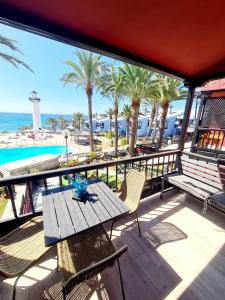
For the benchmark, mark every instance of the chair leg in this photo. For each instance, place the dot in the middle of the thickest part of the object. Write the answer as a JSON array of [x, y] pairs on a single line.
[[57, 268], [64, 293], [111, 229], [139, 229], [121, 280], [14, 287]]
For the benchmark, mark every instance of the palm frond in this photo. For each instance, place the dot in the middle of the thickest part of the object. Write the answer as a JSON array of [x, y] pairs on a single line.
[[9, 43], [16, 62], [85, 71]]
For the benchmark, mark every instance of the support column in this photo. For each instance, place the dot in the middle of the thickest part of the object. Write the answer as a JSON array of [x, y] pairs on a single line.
[[187, 113]]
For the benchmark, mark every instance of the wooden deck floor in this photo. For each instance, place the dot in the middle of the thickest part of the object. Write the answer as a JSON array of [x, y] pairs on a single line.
[[189, 268]]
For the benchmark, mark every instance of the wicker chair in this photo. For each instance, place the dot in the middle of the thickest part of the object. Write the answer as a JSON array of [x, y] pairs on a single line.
[[83, 256], [21, 248], [130, 193]]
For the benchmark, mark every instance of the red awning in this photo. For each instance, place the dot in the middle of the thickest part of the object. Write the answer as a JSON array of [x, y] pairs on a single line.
[[214, 85], [185, 38]]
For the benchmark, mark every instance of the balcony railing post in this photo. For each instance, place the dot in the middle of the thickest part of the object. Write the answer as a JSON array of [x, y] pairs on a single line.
[[11, 194], [125, 170], [107, 175], [162, 173], [29, 185], [168, 164], [146, 169], [152, 166], [157, 171], [45, 184]]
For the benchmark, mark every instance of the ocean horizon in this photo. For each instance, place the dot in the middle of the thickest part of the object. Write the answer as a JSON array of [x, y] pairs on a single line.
[[12, 122]]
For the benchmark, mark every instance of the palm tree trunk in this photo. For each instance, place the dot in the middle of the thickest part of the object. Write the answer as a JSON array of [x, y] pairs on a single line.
[[89, 95], [116, 128], [127, 130], [134, 119], [155, 126], [165, 107], [151, 118], [110, 123]]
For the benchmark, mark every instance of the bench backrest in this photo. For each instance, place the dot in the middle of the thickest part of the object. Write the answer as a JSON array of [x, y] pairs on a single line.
[[206, 172]]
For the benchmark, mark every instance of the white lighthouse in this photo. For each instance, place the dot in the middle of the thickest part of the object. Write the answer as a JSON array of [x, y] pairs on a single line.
[[36, 111]]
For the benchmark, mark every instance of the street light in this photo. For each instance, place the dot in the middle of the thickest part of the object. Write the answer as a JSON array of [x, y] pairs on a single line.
[[66, 134], [177, 124]]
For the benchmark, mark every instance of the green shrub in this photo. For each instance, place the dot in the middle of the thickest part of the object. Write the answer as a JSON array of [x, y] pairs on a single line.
[[123, 141], [71, 163], [2, 190], [109, 134], [93, 155]]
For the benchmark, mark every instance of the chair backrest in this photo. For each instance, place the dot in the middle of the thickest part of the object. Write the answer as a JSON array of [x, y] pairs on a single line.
[[93, 270], [203, 171], [131, 189]]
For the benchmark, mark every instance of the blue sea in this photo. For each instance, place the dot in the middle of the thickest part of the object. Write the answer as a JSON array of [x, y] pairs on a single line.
[[12, 122]]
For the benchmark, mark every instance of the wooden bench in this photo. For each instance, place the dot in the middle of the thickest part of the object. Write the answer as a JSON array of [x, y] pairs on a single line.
[[200, 176]]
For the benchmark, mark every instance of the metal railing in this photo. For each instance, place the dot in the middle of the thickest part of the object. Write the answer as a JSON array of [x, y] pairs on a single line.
[[111, 172]]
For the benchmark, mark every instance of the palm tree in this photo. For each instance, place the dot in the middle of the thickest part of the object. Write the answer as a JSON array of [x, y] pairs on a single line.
[[53, 123], [169, 89], [127, 116], [136, 81], [79, 117], [63, 123], [85, 74], [111, 85], [109, 111], [11, 44], [75, 121], [152, 99]]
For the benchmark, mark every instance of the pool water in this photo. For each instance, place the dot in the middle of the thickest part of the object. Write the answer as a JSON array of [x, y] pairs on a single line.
[[12, 154]]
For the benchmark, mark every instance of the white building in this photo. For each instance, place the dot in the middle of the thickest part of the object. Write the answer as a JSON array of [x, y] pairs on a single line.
[[36, 111], [173, 124]]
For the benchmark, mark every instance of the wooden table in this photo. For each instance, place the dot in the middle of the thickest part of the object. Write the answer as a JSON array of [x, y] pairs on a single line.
[[64, 217]]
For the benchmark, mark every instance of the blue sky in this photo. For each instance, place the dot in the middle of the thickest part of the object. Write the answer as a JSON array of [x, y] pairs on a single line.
[[46, 58]]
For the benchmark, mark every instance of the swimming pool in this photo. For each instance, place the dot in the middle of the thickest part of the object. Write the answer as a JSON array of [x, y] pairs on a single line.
[[12, 154]]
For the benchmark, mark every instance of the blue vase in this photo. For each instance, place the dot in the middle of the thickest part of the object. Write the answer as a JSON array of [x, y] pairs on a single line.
[[80, 187]]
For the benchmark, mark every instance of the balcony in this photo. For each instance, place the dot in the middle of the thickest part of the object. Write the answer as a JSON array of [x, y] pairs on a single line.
[[183, 265], [189, 266], [187, 262]]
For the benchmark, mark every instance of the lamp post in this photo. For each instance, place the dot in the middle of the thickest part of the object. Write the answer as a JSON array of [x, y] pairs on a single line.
[[66, 134], [177, 123]]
